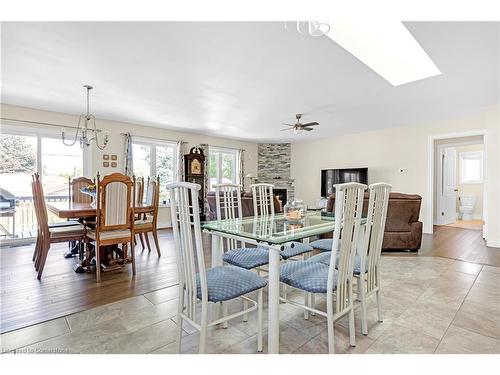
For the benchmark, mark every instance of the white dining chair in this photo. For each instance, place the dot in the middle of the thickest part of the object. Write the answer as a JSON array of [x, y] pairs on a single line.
[[368, 256], [200, 285], [334, 280]]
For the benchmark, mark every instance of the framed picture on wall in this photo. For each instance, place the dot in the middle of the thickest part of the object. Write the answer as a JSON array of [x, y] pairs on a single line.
[[114, 157], [113, 164], [105, 164], [105, 157]]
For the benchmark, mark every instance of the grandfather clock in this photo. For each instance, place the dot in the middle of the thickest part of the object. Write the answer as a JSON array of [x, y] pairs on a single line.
[[194, 171]]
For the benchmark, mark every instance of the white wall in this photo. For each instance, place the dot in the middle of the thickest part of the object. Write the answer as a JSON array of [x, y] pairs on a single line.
[[117, 142], [384, 152]]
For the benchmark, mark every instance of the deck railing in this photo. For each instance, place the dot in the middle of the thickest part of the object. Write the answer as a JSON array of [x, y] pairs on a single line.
[[21, 222]]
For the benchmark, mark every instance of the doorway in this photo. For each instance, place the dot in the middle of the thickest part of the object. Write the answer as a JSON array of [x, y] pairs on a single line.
[[459, 183]]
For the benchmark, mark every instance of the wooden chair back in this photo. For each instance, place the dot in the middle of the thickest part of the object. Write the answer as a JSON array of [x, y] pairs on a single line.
[[185, 213], [75, 195], [374, 232], [40, 207], [348, 213], [153, 196], [263, 199], [115, 203], [139, 189]]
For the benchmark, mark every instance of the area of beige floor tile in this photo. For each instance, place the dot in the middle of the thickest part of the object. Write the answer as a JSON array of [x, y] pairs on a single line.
[[465, 267], [489, 278], [398, 339], [462, 341], [163, 295], [429, 318], [29, 335], [491, 269], [478, 318], [485, 294]]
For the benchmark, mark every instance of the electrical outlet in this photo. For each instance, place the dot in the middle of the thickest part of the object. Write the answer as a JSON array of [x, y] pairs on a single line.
[[403, 170]]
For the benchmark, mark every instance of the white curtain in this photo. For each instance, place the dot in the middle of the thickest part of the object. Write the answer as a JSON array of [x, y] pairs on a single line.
[[128, 157], [241, 167], [180, 161]]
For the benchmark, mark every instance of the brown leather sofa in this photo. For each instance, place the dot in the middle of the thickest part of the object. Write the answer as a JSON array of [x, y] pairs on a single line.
[[246, 205], [403, 231]]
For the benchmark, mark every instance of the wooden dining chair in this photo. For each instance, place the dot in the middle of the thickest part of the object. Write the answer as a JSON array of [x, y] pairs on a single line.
[[335, 279], [198, 284], [74, 189], [115, 218], [149, 221], [48, 235]]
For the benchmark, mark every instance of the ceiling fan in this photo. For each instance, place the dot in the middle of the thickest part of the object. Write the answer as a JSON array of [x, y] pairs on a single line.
[[298, 127]]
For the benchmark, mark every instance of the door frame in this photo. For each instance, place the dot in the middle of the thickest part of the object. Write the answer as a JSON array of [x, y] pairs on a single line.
[[429, 205]]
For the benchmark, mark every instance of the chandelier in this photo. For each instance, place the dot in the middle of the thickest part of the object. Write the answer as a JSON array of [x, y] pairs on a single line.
[[85, 134], [311, 28]]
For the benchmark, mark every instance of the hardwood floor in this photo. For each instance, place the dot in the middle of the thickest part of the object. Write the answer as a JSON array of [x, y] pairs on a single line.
[[461, 244], [26, 301]]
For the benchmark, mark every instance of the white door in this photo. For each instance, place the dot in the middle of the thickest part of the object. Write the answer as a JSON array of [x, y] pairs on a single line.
[[447, 213]]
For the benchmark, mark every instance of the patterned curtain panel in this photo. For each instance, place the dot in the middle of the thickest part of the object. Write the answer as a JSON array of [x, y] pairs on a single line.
[[241, 167], [180, 161], [206, 150], [129, 161]]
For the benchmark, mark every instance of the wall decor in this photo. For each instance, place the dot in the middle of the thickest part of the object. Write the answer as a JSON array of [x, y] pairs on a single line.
[[114, 157], [105, 157], [113, 164], [105, 164]]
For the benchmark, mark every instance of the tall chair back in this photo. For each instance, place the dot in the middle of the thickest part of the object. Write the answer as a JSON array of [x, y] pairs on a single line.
[[185, 213], [374, 233], [75, 194], [228, 206], [153, 196], [115, 203], [348, 211], [139, 189], [263, 199], [40, 207]]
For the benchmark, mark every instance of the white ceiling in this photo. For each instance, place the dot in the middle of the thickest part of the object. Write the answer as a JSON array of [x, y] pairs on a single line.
[[241, 80]]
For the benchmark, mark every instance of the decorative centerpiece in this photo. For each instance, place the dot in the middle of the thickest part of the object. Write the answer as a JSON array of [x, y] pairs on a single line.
[[295, 211]]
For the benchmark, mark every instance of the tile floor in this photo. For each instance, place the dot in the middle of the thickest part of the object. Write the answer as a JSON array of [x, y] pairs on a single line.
[[431, 305]]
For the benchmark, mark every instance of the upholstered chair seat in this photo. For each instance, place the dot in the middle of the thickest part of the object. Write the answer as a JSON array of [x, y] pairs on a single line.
[[325, 259], [308, 276], [228, 282], [109, 234], [294, 249], [247, 258], [324, 244]]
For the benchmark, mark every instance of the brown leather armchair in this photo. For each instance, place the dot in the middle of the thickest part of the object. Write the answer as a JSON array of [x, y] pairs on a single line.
[[403, 231]]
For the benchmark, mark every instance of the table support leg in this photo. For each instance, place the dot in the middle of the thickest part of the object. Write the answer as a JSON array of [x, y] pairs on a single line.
[[274, 300], [216, 308]]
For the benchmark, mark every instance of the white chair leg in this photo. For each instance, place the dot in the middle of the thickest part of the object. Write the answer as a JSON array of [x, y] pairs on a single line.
[[245, 307], [379, 305], [312, 302], [330, 323], [203, 328], [224, 313], [306, 303], [352, 332], [362, 297], [178, 332], [260, 312]]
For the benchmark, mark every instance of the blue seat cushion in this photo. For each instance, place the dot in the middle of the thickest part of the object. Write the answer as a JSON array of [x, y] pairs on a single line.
[[228, 282], [247, 257], [325, 259], [309, 276], [324, 244], [297, 249]]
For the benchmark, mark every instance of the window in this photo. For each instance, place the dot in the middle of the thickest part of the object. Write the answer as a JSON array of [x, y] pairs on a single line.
[[471, 167], [24, 151], [223, 166], [155, 159]]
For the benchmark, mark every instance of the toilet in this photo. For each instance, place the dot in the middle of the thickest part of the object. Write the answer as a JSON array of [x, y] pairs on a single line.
[[466, 207]]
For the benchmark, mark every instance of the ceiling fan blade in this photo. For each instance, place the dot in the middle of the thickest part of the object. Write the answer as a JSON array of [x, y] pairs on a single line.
[[282, 130], [307, 129], [287, 124], [311, 123]]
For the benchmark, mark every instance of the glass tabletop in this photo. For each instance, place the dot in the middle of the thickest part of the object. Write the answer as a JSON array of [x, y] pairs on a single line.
[[273, 229]]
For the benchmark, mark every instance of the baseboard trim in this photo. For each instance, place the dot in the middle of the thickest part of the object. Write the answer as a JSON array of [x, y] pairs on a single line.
[[493, 243]]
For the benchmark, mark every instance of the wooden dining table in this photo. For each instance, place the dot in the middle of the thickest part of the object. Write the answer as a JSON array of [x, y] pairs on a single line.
[[70, 210]]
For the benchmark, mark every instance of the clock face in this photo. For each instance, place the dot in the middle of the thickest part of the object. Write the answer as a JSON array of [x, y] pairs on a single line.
[[195, 167]]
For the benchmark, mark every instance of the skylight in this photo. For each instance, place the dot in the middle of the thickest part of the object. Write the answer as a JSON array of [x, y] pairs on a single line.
[[387, 47]]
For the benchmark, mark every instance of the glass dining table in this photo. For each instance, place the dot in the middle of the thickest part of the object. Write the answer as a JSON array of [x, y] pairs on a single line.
[[273, 232]]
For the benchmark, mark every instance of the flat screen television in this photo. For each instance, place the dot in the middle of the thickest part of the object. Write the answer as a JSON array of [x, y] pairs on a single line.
[[331, 177]]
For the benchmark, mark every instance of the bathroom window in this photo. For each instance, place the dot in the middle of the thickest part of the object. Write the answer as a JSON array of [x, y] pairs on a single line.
[[471, 167]]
